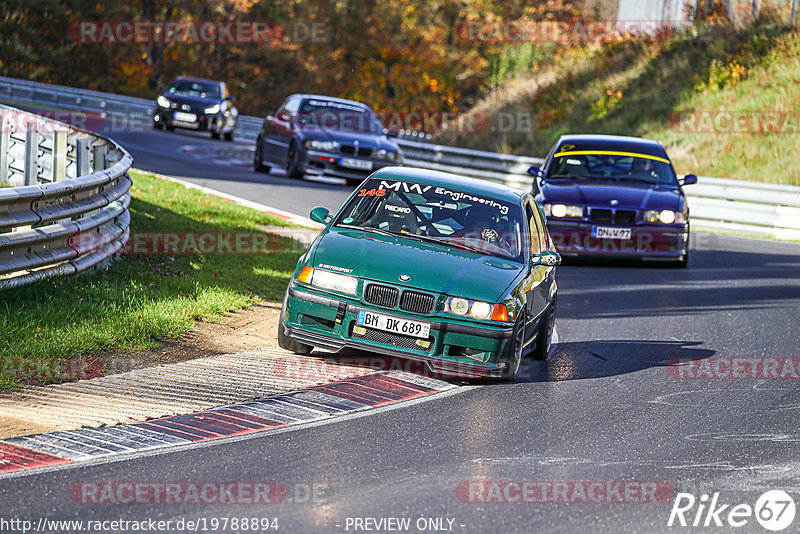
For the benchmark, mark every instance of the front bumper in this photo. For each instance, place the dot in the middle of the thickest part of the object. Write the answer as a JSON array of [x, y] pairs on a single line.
[[317, 163], [311, 318], [648, 242], [204, 123]]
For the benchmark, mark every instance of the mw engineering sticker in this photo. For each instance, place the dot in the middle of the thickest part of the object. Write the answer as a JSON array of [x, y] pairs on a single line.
[[454, 195]]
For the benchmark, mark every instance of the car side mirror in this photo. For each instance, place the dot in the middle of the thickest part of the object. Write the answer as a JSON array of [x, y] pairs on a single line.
[[548, 259], [535, 171], [283, 116], [689, 179], [232, 98], [321, 215]]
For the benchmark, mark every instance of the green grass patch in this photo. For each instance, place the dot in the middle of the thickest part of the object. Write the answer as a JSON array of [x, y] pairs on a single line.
[[141, 298], [640, 87]]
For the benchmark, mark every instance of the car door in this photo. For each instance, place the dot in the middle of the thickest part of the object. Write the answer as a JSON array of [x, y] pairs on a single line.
[[278, 132], [283, 130], [540, 278]]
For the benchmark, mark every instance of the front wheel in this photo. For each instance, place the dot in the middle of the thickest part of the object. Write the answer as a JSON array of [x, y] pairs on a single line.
[[284, 341], [258, 159], [544, 337], [229, 135], [294, 170], [514, 357]]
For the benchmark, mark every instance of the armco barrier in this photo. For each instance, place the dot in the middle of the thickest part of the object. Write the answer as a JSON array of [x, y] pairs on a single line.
[[66, 210], [717, 204]]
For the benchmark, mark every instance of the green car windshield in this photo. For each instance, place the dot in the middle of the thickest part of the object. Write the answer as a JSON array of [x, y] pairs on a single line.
[[436, 214]]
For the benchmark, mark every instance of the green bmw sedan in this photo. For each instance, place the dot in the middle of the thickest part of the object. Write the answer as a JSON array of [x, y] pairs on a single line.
[[455, 272]]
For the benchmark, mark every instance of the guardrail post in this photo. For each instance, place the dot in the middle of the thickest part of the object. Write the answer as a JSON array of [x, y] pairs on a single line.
[[59, 156], [83, 165], [31, 156], [5, 134], [99, 158]]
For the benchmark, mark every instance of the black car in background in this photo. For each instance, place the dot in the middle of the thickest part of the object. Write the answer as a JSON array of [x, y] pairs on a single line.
[[310, 134], [197, 104]]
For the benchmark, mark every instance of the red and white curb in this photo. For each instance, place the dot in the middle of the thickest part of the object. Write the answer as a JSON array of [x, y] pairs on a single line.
[[270, 413]]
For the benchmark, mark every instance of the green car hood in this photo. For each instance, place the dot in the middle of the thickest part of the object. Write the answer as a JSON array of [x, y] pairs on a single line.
[[431, 267]]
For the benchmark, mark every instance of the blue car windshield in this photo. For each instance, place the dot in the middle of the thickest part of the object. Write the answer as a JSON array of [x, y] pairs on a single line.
[[192, 88], [338, 116], [429, 213], [583, 165]]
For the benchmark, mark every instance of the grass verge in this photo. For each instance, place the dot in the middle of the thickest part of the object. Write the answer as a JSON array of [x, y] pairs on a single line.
[[50, 330], [643, 88]]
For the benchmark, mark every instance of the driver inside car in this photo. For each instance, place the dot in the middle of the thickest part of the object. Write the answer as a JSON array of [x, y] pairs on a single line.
[[643, 167], [486, 226]]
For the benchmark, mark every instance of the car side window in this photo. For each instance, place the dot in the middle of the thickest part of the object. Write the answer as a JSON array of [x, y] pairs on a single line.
[[541, 233], [533, 229], [293, 105]]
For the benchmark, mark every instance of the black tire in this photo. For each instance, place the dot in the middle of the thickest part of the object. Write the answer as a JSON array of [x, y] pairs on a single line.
[[229, 135], [214, 134], [170, 128], [514, 356], [684, 261], [258, 159], [544, 337], [158, 125], [284, 341], [294, 170]]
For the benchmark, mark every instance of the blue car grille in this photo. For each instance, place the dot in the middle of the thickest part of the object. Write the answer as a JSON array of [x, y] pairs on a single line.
[[606, 216], [351, 150]]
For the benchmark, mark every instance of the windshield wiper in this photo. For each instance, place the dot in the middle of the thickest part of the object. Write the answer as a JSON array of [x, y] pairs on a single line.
[[447, 243], [636, 179], [419, 237]]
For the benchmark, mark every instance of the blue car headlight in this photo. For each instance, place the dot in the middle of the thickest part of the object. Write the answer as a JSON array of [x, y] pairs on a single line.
[[664, 216], [163, 102], [562, 210], [212, 110], [316, 144]]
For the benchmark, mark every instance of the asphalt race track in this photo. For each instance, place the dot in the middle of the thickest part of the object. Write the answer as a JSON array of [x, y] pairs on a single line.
[[224, 166], [611, 405]]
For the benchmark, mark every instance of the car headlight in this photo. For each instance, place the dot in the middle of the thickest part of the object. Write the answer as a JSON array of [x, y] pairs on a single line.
[[562, 210], [387, 155], [334, 282], [213, 109], [475, 309], [316, 144], [663, 216], [163, 102]]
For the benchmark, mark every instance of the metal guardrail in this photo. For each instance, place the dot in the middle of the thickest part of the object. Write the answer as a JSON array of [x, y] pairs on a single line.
[[64, 207], [717, 204]]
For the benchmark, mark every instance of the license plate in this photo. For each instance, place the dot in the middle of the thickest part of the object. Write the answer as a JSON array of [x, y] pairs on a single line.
[[352, 163], [603, 232], [185, 117], [394, 324]]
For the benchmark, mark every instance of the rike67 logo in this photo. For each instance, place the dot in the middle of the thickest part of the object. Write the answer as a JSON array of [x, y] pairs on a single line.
[[774, 510]]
